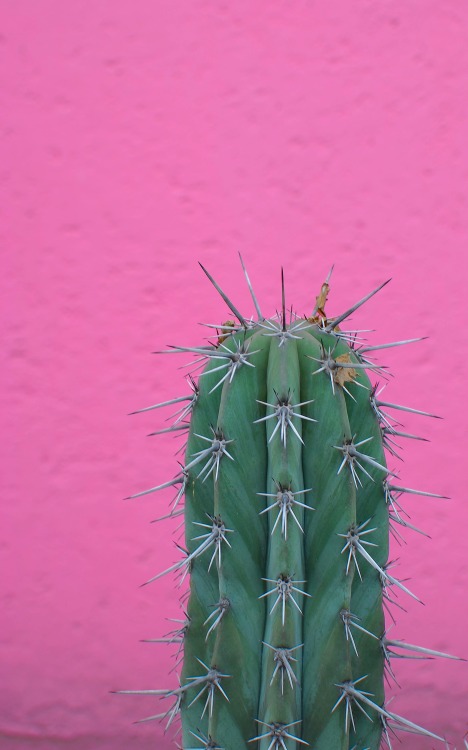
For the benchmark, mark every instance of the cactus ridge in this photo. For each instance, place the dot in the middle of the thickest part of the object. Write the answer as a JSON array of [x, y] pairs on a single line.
[[288, 508]]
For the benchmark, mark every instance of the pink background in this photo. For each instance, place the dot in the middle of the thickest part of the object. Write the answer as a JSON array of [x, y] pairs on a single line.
[[138, 138]]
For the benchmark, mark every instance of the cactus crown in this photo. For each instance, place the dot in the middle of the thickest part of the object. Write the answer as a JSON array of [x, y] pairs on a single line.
[[288, 508]]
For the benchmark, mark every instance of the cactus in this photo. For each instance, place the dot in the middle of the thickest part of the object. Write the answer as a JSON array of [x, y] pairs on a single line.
[[288, 508]]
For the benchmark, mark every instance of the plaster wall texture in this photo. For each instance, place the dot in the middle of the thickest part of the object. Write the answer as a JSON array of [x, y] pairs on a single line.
[[139, 137]]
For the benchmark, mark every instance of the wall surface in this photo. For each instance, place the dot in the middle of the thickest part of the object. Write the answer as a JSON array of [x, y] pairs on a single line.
[[138, 138]]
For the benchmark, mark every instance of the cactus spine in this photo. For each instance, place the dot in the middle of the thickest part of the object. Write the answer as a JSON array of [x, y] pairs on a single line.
[[288, 506]]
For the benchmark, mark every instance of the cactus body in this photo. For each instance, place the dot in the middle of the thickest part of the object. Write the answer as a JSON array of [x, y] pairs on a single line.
[[288, 504]]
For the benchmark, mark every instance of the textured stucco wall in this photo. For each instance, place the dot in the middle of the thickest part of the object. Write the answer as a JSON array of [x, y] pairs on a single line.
[[139, 137]]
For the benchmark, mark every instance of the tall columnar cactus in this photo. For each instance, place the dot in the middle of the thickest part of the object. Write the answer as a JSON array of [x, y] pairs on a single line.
[[288, 508]]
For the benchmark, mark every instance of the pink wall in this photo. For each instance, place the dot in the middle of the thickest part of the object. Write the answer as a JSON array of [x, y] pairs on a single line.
[[140, 137]]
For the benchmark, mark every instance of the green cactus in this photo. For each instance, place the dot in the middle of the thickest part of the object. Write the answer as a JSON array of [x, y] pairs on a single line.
[[288, 506]]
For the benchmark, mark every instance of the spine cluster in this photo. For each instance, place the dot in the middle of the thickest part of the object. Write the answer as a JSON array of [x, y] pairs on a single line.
[[288, 505]]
